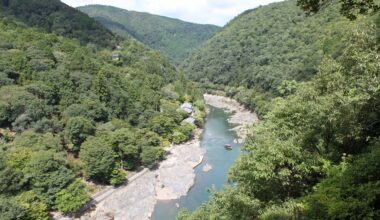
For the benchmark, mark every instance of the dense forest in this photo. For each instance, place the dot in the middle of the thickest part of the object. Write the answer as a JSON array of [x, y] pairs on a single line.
[[172, 37], [260, 53], [316, 152], [81, 106], [55, 16], [74, 114]]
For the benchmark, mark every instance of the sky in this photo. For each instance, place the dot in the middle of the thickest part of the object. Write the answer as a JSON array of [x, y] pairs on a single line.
[[217, 12]]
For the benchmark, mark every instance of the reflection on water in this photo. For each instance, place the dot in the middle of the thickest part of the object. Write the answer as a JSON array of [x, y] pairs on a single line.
[[216, 135]]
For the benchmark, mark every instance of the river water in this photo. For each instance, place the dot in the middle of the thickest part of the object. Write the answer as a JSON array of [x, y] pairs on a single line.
[[216, 134]]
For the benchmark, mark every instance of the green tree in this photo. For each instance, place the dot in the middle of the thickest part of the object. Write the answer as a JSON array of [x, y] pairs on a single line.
[[150, 155], [98, 159], [33, 206], [77, 130], [10, 210], [72, 198], [47, 174]]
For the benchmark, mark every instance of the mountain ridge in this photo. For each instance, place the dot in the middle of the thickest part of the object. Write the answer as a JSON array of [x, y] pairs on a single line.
[[171, 36]]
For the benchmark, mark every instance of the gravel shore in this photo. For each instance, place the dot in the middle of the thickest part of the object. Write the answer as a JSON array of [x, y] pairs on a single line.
[[241, 117], [173, 179], [174, 176]]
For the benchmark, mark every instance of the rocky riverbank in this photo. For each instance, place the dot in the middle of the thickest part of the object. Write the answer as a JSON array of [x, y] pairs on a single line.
[[173, 179], [240, 116], [174, 176]]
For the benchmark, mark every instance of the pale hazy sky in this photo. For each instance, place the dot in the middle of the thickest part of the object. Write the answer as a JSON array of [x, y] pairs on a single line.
[[217, 12]]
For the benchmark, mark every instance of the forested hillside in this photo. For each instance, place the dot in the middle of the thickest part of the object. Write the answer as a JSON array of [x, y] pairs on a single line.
[[53, 16], [70, 113], [316, 152], [172, 37], [263, 50]]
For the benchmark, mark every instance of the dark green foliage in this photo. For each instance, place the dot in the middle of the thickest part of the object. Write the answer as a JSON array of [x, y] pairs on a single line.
[[173, 38], [351, 190], [151, 155], [10, 209], [258, 50], [47, 174], [53, 16], [315, 155], [11, 179], [77, 130], [349, 8]]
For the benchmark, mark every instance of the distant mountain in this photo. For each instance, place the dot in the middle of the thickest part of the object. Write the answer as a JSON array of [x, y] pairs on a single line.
[[53, 16], [172, 37]]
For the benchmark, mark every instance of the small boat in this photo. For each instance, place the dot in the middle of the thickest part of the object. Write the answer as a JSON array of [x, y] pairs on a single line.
[[228, 146]]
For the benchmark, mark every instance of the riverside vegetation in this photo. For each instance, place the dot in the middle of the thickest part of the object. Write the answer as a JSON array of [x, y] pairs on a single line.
[[316, 153], [69, 112]]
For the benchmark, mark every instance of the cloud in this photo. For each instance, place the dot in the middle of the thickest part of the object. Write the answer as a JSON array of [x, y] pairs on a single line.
[[217, 12]]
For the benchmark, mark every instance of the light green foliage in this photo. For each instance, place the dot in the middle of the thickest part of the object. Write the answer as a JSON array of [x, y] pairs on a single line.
[[178, 137], [230, 204], [117, 177], [98, 159], [33, 206], [72, 198], [183, 133], [32, 140], [288, 210], [11, 179], [174, 38], [162, 125]]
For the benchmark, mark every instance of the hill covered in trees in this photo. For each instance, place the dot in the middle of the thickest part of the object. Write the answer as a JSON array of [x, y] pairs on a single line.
[[172, 37], [53, 16], [316, 152], [71, 112], [259, 53]]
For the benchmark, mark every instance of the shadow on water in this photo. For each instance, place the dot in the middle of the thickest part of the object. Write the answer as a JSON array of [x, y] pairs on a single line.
[[216, 135]]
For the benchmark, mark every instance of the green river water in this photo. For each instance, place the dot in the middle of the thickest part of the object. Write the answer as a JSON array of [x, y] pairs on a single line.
[[216, 134]]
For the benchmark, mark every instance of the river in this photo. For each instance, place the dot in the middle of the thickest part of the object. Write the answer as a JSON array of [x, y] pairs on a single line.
[[216, 134]]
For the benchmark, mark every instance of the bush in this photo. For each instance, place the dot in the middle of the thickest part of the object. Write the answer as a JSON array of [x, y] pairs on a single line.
[[178, 137], [150, 155], [117, 177], [98, 159], [72, 198]]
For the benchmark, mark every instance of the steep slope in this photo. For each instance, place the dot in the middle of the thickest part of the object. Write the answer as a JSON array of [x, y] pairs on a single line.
[[69, 112], [53, 16], [265, 46], [172, 37]]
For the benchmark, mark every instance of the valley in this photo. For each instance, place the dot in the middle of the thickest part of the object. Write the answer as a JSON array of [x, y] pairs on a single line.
[[110, 113]]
